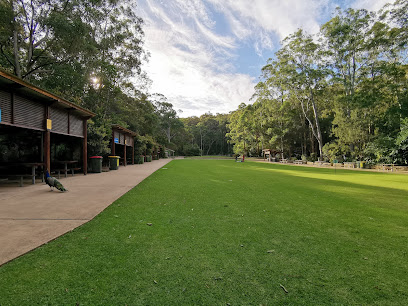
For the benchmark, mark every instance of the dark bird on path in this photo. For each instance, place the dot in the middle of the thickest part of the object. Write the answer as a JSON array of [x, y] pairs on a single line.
[[53, 182]]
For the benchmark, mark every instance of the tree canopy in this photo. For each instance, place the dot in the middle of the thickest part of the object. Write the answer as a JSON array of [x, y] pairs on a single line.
[[87, 51], [338, 94]]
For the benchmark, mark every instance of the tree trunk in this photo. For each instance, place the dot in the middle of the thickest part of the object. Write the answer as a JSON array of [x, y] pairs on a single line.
[[209, 147], [257, 146], [282, 146], [201, 142], [168, 134], [319, 133], [312, 142], [314, 126], [17, 67]]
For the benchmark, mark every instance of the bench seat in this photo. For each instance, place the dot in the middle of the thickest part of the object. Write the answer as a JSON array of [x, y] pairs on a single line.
[[20, 177]]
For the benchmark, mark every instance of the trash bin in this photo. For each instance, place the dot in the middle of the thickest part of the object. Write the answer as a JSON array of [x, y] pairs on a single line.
[[113, 162], [362, 164], [96, 164]]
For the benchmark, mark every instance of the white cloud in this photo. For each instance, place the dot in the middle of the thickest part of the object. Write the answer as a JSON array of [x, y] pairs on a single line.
[[191, 82], [195, 67], [267, 16], [370, 5], [190, 63]]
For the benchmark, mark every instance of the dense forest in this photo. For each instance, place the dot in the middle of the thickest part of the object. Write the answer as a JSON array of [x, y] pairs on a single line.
[[89, 52], [337, 94]]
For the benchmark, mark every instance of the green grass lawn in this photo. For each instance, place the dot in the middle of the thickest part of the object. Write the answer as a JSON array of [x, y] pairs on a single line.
[[230, 233], [210, 157]]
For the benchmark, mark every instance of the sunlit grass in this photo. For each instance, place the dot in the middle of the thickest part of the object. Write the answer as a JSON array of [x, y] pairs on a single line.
[[380, 179], [210, 157], [225, 232]]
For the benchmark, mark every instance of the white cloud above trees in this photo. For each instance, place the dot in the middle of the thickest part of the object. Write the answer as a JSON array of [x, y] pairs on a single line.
[[195, 65]]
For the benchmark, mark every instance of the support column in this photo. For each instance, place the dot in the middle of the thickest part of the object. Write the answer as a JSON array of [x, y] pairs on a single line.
[[47, 142], [47, 150], [85, 149], [124, 153], [113, 144], [133, 151]]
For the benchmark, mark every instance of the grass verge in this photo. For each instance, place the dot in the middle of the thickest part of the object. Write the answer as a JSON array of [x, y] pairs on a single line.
[[209, 157], [219, 232]]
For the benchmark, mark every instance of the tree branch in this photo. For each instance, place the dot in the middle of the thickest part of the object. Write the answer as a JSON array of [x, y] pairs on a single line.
[[6, 56], [37, 68]]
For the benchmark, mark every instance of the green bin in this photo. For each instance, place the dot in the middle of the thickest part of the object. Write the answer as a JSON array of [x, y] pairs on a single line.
[[113, 162], [96, 164]]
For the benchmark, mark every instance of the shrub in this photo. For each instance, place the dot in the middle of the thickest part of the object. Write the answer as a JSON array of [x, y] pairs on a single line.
[[191, 150]]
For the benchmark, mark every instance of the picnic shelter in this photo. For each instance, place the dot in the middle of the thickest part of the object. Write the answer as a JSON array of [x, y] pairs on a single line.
[[39, 129], [123, 143]]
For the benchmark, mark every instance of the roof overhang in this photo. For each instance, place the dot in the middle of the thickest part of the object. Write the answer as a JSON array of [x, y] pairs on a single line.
[[20, 86], [124, 130]]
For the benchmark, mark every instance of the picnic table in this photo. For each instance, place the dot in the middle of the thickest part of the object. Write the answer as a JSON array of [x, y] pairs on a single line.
[[32, 165], [349, 164], [298, 162], [66, 163], [388, 167], [319, 163]]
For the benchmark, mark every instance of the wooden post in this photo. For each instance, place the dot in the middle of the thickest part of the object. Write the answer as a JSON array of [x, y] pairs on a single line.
[[113, 143], [85, 149], [124, 151], [47, 150], [47, 142], [133, 151]]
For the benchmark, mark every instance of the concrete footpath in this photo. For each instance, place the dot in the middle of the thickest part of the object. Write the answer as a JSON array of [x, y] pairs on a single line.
[[32, 215]]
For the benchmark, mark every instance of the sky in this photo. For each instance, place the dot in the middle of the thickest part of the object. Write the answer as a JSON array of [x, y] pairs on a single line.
[[207, 55]]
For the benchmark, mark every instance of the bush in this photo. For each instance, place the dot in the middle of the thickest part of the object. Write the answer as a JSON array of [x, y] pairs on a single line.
[[191, 150], [98, 138], [139, 159], [380, 150], [313, 157], [332, 151]]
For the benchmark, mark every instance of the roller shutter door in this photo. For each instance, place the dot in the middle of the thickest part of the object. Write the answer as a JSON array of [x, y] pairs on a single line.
[[76, 126], [29, 113], [5, 106], [59, 119]]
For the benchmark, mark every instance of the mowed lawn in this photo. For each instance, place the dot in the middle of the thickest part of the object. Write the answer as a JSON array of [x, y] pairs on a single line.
[[217, 232]]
